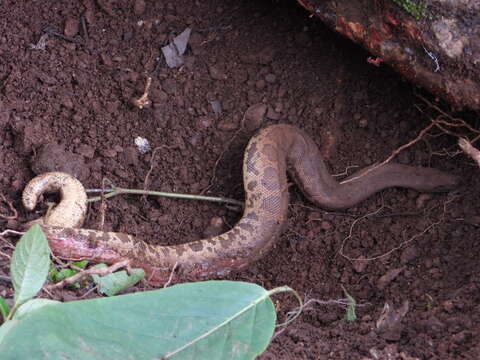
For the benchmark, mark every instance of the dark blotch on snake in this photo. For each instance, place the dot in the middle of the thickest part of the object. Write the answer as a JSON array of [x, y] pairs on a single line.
[[224, 241], [246, 227], [252, 185], [269, 179], [180, 249], [270, 152], [196, 246], [251, 216]]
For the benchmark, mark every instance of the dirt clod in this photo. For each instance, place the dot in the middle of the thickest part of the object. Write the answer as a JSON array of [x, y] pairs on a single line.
[[54, 157]]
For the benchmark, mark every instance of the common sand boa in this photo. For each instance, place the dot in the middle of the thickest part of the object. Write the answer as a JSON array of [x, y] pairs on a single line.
[[267, 157]]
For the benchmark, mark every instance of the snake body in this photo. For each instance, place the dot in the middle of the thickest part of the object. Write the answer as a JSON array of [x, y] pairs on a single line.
[[268, 156]]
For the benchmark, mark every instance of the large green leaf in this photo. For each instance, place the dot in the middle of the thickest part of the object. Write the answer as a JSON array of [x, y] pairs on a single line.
[[204, 320], [113, 283], [30, 264]]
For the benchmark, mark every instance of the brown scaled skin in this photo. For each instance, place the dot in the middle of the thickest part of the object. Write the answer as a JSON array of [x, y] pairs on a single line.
[[268, 156]]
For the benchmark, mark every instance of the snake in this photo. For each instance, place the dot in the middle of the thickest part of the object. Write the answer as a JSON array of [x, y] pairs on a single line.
[[270, 154]]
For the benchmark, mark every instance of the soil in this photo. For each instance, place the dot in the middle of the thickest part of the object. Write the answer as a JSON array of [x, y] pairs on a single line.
[[76, 94]]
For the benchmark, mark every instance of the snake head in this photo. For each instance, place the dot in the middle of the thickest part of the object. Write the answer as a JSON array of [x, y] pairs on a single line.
[[443, 182]]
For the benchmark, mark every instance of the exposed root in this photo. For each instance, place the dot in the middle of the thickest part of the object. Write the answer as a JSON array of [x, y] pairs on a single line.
[[399, 246], [11, 207]]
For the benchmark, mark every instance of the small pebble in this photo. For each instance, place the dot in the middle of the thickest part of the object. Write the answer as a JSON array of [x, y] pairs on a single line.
[[388, 277], [270, 78], [408, 255], [422, 199], [326, 225], [227, 125], [360, 265], [363, 123], [260, 84], [71, 27], [216, 73], [272, 114], [204, 122], [139, 7], [85, 150], [254, 116], [110, 153]]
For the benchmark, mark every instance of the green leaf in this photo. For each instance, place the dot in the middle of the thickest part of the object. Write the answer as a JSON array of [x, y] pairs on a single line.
[[81, 264], [112, 284], [4, 308], [30, 264], [351, 305], [203, 320], [63, 274], [32, 305]]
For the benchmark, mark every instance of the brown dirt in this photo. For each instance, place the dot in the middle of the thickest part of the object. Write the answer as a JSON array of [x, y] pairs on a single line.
[[244, 53]]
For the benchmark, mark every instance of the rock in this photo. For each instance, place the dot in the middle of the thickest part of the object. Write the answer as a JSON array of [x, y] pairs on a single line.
[[360, 264], [448, 306], [169, 86], [408, 255], [389, 277], [422, 199], [270, 78], [227, 125], [110, 153], [363, 123], [164, 220], [54, 157], [253, 118], [71, 27], [462, 337], [215, 228], [216, 73], [260, 84], [204, 122], [272, 114], [139, 7], [264, 56], [326, 225], [389, 324], [131, 156], [85, 150]]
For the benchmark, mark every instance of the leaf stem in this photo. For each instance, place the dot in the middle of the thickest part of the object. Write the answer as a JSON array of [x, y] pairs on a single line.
[[282, 289], [118, 191]]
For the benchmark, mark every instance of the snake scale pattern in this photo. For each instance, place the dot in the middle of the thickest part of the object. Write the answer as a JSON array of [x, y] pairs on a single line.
[[268, 156]]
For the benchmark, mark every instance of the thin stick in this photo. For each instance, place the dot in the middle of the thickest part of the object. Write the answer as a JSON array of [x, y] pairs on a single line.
[[118, 191], [171, 275], [11, 232], [88, 272], [11, 207]]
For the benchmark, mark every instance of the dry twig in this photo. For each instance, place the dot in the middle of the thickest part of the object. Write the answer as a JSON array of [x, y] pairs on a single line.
[[92, 271]]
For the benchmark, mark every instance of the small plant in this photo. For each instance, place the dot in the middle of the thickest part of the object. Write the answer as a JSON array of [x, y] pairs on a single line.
[[417, 9], [203, 320], [351, 306]]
